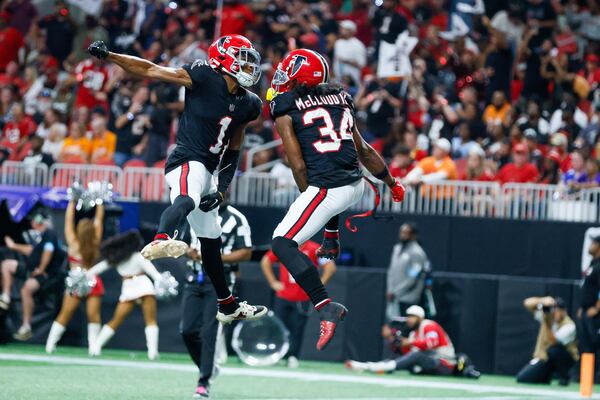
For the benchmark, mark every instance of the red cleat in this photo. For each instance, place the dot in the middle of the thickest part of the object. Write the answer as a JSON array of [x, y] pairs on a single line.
[[331, 314]]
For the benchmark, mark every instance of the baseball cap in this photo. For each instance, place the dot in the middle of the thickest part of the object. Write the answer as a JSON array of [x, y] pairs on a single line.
[[559, 302], [520, 148], [416, 311], [443, 144], [347, 24], [558, 139], [592, 58]]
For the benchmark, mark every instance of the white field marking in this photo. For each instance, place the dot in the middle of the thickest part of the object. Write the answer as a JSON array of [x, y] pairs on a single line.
[[397, 381]]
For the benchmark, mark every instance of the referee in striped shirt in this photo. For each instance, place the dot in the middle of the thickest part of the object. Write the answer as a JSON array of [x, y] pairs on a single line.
[[199, 325]]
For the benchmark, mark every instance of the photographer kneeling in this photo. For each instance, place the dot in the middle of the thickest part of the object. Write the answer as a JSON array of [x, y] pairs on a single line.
[[556, 347]]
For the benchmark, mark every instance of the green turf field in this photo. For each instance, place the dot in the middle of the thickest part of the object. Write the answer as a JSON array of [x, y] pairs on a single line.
[[26, 372]]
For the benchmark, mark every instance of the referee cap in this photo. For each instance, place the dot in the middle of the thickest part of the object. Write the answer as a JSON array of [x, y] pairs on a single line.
[[416, 311]]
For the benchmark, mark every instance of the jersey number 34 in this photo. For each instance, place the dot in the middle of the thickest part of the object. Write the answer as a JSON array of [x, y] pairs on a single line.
[[328, 131]]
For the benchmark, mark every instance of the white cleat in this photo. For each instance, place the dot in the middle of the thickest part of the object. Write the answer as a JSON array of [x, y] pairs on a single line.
[[164, 249], [244, 311]]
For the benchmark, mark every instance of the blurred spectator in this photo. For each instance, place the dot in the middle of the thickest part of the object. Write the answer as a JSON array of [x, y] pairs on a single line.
[[22, 13], [407, 272], [556, 345], [577, 173], [388, 23], [550, 173], [236, 17], [380, 99], [36, 154], [349, 54], [76, 147], [103, 142], [520, 170], [17, 130], [11, 41], [498, 111], [438, 167], [159, 129], [592, 170], [42, 267], [283, 173], [463, 143], [477, 170], [55, 140], [59, 31], [132, 121], [510, 22], [50, 118], [91, 75], [402, 163]]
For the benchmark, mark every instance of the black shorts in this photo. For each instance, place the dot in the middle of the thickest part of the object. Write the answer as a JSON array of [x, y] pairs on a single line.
[[23, 272]]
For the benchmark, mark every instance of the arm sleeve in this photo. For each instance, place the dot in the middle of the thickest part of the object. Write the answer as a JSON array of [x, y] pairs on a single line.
[[198, 72], [435, 177], [566, 334], [148, 268], [98, 268]]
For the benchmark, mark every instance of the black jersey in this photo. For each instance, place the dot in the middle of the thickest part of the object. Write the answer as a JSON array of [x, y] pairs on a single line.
[[210, 116], [323, 125]]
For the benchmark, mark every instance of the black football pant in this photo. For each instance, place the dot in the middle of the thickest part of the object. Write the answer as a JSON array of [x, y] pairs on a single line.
[[559, 362], [199, 326], [420, 362], [587, 333], [294, 316]]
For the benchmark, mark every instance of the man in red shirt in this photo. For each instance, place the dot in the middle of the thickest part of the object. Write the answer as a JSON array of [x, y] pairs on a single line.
[[91, 76], [11, 42], [235, 18], [17, 131], [427, 349], [292, 304], [402, 163], [520, 170]]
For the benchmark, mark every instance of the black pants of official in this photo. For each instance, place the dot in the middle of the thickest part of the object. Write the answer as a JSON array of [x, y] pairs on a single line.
[[588, 333], [199, 326], [294, 316], [420, 362], [539, 371]]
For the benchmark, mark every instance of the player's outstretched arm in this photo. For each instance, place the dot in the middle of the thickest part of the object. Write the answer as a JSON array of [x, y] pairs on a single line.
[[140, 67], [376, 166], [292, 150]]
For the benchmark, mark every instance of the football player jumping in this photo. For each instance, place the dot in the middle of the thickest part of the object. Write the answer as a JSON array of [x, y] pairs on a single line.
[[316, 122], [210, 134]]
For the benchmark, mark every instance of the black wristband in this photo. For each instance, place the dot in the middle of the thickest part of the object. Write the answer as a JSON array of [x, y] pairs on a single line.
[[383, 174], [228, 166]]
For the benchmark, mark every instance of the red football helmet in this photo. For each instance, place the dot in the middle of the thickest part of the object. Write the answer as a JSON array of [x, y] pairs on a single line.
[[235, 55], [302, 66]]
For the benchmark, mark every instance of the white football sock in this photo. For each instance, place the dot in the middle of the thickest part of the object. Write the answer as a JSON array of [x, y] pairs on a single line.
[[103, 337], [56, 332], [151, 332], [93, 329]]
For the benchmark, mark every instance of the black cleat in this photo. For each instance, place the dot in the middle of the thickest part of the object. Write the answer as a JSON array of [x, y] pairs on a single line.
[[330, 249]]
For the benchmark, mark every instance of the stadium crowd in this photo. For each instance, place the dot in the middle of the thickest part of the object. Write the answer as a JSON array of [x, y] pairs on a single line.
[[509, 93]]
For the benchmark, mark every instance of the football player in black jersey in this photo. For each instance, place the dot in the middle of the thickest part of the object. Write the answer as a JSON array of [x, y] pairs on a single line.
[[316, 122], [210, 134]]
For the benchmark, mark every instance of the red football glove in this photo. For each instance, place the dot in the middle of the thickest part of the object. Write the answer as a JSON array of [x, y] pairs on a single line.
[[397, 191]]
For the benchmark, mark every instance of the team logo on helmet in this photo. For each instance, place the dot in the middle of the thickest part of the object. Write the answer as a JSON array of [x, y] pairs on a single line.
[[221, 44], [296, 63]]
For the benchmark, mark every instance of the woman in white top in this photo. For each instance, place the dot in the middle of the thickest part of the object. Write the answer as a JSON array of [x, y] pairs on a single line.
[[122, 252]]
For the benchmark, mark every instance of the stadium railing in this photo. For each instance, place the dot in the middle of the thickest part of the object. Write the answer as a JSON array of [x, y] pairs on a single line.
[[449, 198], [63, 175], [24, 174]]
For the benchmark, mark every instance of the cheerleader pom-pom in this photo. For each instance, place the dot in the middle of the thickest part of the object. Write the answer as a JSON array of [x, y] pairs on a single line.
[[78, 283], [165, 288]]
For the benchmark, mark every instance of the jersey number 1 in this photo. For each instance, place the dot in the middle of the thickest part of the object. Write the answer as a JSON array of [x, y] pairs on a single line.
[[217, 147], [344, 133]]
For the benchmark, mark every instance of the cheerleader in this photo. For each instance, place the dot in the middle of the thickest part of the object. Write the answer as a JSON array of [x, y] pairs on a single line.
[[83, 242], [122, 252]]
